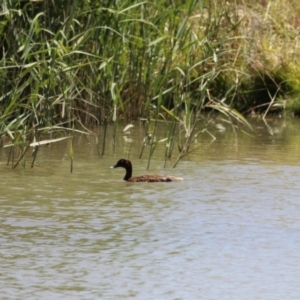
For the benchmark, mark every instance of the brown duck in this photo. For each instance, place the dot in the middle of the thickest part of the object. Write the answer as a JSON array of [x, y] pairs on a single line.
[[126, 164]]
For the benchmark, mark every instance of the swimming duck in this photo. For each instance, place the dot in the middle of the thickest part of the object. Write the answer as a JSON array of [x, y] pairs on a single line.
[[126, 164]]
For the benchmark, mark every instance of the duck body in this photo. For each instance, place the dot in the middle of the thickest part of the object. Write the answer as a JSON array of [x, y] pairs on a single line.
[[126, 164]]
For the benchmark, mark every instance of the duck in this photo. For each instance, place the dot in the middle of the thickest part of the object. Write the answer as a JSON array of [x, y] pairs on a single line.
[[126, 164]]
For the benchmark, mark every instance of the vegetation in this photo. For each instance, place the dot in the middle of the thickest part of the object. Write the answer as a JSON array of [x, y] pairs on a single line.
[[68, 65]]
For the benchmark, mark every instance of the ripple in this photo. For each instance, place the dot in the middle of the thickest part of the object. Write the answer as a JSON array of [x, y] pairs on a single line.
[[230, 230]]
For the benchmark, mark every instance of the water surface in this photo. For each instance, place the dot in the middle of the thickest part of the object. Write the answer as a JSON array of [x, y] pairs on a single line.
[[230, 230]]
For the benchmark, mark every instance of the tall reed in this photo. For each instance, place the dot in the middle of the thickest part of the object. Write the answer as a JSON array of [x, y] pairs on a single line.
[[69, 65]]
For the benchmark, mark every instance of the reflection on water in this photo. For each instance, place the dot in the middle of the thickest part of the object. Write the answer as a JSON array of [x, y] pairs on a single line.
[[230, 230]]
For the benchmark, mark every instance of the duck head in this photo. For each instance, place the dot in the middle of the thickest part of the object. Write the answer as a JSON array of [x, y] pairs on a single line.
[[122, 163], [126, 164]]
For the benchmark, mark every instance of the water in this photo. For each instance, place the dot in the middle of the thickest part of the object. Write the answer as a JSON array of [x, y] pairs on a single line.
[[230, 230]]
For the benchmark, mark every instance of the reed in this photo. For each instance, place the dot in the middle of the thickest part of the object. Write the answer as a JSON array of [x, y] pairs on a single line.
[[68, 65]]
